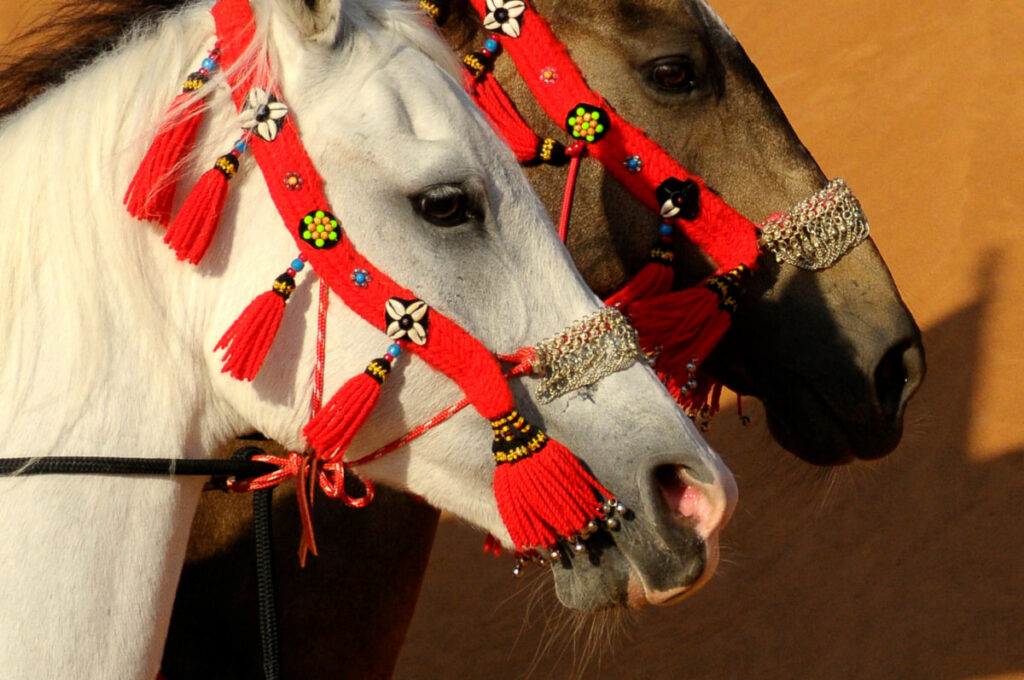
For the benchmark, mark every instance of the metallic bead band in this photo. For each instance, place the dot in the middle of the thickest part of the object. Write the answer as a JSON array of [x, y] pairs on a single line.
[[817, 232], [587, 351]]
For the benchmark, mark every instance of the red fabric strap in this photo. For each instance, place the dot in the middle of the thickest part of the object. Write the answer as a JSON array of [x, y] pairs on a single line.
[[721, 232], [449, 348]]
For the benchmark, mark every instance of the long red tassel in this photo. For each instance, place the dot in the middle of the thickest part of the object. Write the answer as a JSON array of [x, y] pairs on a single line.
[[654, 278], [192, 230], [543, 492], [248, 340], [150, 195], [504, 117], [681, 326], [332, 429]]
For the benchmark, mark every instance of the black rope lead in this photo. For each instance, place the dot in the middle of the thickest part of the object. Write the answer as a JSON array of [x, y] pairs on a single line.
[[171, 467]]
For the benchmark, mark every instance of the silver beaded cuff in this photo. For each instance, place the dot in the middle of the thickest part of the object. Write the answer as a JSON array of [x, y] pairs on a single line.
[[587, 351], [817, 232]]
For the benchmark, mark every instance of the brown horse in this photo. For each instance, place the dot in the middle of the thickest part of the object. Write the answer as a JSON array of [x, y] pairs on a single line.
[[834, 354]]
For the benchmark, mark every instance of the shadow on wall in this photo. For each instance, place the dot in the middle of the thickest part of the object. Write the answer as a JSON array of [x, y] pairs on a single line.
[[908, 568]]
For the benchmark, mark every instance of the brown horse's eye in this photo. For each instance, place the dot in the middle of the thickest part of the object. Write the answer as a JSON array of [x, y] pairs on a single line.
[[444, 205], [673, 74]]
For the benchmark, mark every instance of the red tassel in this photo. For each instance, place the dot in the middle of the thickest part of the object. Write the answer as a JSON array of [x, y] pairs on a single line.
[[506, 120], [655, 278], [543, 492], [248, 340], [679, 329], [332, 429], [150, 195], [192, 230]]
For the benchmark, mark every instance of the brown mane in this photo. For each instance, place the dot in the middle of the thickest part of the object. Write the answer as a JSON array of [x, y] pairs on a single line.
[[59, 43]]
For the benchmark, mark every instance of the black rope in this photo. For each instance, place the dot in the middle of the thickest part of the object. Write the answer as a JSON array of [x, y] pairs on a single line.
[[262, 514], [100, 465]]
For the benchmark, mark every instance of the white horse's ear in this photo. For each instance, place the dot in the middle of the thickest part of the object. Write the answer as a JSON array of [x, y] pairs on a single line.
[[316, 20]]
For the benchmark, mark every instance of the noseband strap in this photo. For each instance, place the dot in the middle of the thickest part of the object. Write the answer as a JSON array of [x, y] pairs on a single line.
[[819, 230]]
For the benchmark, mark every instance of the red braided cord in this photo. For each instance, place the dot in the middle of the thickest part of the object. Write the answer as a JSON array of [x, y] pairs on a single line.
[[449, 349], [576, 151], [321, 348], [728, 237], [523, 360]]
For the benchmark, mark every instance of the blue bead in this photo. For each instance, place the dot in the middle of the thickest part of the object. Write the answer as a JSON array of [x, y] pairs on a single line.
[[394, 350], [665, 229], [241, 146], [209, 64], [492, 44], [298, 265]]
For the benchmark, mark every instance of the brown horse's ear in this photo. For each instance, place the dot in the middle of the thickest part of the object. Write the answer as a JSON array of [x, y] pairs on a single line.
[[316, 20]]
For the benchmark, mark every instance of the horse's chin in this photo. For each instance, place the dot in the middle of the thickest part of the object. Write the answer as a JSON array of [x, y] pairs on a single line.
[[640, 595], [805, 423], [622, 581]]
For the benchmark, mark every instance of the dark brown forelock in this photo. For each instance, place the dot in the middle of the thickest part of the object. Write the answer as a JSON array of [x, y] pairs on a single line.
[[62, 41]]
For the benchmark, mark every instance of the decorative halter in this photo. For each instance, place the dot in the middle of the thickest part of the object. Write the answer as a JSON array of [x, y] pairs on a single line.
[[544, 495], [677, 329]]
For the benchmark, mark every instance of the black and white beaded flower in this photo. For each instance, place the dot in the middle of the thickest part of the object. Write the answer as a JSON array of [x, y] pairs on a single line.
[[504, 15], [407, 319], [263, 114]]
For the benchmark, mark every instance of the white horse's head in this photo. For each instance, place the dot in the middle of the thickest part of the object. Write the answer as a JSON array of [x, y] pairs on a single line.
[[427, 192], [429, 195]]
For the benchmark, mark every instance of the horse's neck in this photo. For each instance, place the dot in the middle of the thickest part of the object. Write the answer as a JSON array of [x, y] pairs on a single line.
[[92, 343], [96, 361]]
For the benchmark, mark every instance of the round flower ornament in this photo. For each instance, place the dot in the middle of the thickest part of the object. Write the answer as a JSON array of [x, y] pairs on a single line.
[[504, 15], [407, 320], [263, 114]]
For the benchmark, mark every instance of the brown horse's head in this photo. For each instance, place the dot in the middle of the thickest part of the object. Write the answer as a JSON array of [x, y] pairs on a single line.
[[833, 354]]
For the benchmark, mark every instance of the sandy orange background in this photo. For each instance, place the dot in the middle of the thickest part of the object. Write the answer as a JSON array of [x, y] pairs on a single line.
[[911, 568]]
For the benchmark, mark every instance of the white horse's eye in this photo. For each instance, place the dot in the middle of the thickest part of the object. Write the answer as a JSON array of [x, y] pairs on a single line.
[[445, 205]]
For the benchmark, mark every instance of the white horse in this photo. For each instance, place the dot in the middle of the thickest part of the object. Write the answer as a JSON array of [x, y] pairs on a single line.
[[107, 339]]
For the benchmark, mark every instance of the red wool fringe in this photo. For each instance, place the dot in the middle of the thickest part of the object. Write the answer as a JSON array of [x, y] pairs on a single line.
[[150, 195], [655, 278], [332, 429], [546, 496], [683, 325], [248, 340], [192, 230]]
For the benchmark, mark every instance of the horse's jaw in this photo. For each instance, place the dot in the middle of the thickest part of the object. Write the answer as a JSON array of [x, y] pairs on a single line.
[[828, 407], [678, 494]]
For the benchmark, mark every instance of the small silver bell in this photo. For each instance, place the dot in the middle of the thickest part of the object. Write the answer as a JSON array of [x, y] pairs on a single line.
[[555, 556], [517, 570], [692, 366], [590, 528], [612, 523], [578, 547], [621, 509]]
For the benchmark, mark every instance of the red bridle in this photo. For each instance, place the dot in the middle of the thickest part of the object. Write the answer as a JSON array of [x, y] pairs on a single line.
[[678, 329], [543, 493]]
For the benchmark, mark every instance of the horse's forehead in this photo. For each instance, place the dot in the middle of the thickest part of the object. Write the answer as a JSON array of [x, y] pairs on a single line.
[[413, 96]]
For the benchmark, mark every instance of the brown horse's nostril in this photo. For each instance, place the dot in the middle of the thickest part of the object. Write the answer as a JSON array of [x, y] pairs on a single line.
[[897, 377]]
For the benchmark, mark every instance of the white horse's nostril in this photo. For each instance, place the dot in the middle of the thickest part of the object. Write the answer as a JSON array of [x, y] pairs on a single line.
[[685, 499]]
